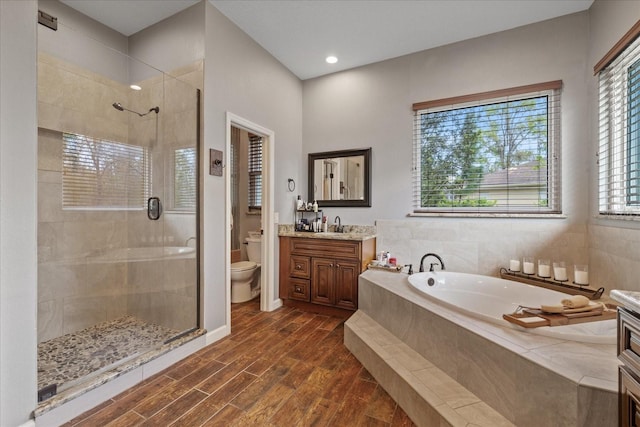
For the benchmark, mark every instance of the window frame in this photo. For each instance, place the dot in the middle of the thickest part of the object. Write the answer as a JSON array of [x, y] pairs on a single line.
[[618, 142], [552, 89], [254, 172]]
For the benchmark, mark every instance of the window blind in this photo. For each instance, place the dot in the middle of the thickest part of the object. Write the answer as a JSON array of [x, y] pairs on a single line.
[[184, 188], [619, 134], [495, 152], [255, 171], [104, 174]]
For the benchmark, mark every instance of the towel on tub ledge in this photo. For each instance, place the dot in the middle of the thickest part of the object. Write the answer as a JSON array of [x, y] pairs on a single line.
[[576, 301]]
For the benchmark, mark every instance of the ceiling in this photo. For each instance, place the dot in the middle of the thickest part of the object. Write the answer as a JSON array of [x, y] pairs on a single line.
[[301, 34]]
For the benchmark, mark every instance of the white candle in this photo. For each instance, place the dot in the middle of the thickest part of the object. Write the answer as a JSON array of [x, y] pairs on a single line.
[[544, 270], [514, 265], [560, 273], [582, 277], [527, 267]]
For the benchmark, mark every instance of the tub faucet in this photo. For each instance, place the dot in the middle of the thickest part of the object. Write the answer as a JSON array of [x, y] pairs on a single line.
[[433, 263], [339, 226]]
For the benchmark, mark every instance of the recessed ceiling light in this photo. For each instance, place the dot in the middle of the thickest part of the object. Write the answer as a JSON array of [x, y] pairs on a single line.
[[331, 59], [135, 87]]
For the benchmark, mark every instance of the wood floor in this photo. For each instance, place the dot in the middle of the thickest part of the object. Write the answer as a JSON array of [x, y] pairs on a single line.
[[284, 368]]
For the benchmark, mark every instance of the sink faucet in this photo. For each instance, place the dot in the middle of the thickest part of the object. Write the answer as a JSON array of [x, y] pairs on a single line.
[[339, 226], [433, 263]]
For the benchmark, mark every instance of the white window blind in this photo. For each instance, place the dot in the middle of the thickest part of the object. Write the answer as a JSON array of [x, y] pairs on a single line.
[[103, 174], [619, 134], [184, 188], [494, 152], [255, 172]]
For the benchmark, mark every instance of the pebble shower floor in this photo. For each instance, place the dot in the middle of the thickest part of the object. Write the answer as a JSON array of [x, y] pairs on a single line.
[[68, 359]]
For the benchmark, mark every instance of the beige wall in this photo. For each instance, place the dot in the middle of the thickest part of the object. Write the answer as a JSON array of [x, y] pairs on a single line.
[[244, 79], [371, 106], [18, 210]]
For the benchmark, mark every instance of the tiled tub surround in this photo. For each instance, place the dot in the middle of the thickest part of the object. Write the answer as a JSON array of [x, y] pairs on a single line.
[[483, 247], [476, 367]]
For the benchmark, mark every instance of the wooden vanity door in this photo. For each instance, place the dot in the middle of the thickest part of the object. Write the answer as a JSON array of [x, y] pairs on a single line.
[[346, 289], [323, 281]]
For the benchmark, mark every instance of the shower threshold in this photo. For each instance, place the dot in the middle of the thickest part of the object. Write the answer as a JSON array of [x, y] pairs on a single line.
[[81, 361]]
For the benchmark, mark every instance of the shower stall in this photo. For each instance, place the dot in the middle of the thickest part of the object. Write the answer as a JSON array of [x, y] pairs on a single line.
[[118, 149]]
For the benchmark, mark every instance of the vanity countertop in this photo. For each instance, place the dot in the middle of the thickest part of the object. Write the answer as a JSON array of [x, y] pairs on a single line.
[[355, 233], [630, 299], [331, 235]]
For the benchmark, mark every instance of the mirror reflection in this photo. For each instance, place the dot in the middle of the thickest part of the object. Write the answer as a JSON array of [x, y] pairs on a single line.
[[340, 178]]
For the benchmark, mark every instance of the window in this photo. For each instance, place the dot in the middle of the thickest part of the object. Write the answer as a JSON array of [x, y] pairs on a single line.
[[255, 172], [184, 174], [103, 174], [494, 152], [619, 129]]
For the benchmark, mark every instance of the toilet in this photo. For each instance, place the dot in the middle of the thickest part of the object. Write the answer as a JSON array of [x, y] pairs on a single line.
[[245, 275]]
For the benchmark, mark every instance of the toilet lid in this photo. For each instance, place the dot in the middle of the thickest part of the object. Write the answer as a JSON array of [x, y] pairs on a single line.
[[243, 265]]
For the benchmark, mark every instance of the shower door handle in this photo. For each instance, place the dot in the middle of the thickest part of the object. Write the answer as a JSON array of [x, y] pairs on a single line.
[[153, 208]]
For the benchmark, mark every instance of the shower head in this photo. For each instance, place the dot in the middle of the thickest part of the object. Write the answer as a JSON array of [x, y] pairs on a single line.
[[119, 107]]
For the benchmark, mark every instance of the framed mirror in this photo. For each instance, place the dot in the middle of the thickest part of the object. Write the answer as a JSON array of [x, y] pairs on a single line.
[[340, 178]]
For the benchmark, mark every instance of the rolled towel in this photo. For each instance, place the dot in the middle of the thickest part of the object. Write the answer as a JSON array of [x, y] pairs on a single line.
[[575, 301]]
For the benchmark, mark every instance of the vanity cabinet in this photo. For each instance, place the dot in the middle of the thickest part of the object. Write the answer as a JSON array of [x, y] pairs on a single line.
[[321, 274], [629, 372]]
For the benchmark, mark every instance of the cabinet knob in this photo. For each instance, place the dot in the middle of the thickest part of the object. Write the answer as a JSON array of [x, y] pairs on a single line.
[[298, 267], [298, 289], [331, 265], [338, 265]]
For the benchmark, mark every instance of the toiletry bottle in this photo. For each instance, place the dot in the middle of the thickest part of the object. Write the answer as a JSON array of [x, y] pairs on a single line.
[[299, 203], [315, 206]]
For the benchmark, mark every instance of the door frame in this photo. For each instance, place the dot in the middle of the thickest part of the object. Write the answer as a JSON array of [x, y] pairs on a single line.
[[269, 300]]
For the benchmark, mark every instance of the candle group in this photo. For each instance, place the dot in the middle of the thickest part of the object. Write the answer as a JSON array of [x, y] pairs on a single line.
[[545, 266]]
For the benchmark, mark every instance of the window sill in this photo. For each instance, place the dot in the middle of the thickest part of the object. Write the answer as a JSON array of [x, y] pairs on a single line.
[[487, 215]]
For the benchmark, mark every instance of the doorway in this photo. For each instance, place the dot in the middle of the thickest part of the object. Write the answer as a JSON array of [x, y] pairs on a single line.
[[269, 300]]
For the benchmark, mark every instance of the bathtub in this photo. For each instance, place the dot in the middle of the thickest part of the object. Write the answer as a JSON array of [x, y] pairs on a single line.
[[152, 253], [488, 298]]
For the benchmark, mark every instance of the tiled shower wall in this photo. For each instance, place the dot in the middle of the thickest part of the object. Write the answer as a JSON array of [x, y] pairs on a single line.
[[73, 294]]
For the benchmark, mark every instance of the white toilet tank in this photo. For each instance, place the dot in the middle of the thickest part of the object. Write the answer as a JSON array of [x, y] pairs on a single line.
[[254, 249]]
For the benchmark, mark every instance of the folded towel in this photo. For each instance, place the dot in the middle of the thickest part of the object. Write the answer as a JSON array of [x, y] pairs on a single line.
[[575, 301]]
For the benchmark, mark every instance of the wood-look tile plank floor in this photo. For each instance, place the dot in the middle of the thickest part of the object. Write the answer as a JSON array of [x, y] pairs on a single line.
[[283, 368]]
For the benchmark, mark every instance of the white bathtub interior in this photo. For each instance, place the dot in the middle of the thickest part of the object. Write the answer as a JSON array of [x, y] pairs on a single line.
[[489, 298]]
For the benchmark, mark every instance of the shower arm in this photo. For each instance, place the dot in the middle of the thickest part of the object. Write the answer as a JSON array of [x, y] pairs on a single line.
[[118, 106]]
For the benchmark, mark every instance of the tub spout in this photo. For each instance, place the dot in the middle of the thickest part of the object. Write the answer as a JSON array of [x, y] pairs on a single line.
[[440, 262]]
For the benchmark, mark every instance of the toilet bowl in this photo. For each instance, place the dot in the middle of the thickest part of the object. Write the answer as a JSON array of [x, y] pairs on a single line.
[[245, 275]]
